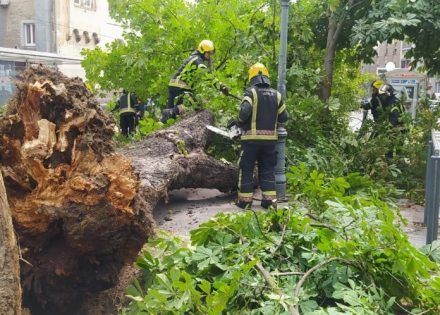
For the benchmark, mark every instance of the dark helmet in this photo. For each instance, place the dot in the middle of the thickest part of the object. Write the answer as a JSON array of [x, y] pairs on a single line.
[[386, 89]]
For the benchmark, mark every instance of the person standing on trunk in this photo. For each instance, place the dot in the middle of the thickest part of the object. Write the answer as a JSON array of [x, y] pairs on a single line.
[[261, 109], [182, 83]]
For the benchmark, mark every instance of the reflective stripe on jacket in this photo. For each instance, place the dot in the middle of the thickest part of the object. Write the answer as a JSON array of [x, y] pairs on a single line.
[[184, 77], [266, 105], [125, 105]]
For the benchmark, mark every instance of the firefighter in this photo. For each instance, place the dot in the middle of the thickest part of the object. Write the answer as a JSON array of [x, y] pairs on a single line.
[[261, 109], [127, 106], [391, 105], [393, 109], [374, 105], [181, 84]]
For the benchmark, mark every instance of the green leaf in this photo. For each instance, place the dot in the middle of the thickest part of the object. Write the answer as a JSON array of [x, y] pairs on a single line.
[[205, 286]]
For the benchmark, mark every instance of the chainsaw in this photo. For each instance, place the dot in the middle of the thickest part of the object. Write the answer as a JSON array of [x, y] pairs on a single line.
[[233, 133]]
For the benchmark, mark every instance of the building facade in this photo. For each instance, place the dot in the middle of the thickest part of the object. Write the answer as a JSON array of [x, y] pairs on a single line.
[[52, 32], [394, 54]]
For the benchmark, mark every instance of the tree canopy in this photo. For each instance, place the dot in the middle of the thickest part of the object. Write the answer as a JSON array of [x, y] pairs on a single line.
[[160, 34], [414, 21]]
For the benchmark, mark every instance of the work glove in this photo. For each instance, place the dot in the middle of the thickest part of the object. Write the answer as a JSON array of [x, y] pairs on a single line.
[[365, 104], [231, 124], [224, 89]]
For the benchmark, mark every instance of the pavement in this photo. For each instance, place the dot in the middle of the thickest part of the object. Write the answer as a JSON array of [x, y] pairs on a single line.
[[415, 228], [187, 208]]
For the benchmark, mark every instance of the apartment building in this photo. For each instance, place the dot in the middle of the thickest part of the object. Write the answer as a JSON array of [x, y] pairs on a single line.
[[389, 52], [51, 32], [393, 54]]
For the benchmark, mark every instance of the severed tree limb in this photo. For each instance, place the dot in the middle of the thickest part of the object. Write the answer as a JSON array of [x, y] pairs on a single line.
[[308, 273], [282, 234], [272, 283], [287, 273]]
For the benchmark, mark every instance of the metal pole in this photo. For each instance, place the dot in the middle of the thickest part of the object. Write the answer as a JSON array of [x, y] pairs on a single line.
[[432, 216], [280, 167], [429, 188], [283, 48]]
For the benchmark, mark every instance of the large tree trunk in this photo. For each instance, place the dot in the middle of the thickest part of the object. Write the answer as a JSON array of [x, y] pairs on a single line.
[[10, 290], [81, 210], [174, 158], [335, 23], [330, 52]]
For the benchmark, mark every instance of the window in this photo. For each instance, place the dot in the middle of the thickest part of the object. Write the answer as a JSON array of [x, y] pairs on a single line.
[[88, 4], [404, 63], [29, 34], [380, 71]]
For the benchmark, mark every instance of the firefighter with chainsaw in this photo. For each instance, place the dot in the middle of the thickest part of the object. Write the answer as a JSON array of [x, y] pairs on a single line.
[[261, 109], [181, 85], [128, 108]]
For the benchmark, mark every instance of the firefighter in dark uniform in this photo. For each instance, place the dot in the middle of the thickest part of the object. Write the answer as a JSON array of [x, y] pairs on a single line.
[[261, 109], [393, 109], [127, 106], [181, 84], [374, 104], [392, 106]]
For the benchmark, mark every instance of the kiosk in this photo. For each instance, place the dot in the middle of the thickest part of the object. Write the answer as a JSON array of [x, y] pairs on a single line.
[[409, 84]]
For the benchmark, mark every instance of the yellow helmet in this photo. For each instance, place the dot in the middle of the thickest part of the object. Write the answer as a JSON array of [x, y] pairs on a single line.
[[377, 84], [256, 69], [205, 46]]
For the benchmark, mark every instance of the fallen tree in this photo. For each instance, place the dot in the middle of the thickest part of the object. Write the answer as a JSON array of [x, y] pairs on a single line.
[[10, 291], [81, 210]]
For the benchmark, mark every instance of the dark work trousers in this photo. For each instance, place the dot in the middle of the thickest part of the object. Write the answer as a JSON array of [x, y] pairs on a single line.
[[265, 156], [175, 102], [174, 98], [127, 123]]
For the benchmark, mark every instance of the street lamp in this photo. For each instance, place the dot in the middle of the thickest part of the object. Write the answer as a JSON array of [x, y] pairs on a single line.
[[280, 167]]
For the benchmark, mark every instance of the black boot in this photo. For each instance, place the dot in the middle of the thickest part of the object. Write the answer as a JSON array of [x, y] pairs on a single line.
[[167, 114], [269, 203], [243, 204]]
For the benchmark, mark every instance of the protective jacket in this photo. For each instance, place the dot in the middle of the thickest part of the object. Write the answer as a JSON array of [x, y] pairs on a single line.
[[127, 103], [182, 83], [393, 107], [185, 76], [376, 107], [260, 111]]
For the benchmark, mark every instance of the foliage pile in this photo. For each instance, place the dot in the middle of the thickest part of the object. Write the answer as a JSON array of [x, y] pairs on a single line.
[[337, 250]]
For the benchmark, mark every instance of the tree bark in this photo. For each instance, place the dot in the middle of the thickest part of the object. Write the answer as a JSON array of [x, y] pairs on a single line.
[[81, 210], [174, 158], [10, 290], [335, 24], [330, 52]]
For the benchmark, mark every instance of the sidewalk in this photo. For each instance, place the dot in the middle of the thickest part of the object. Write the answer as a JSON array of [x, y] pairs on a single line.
[[188, 208], [415, 229]]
